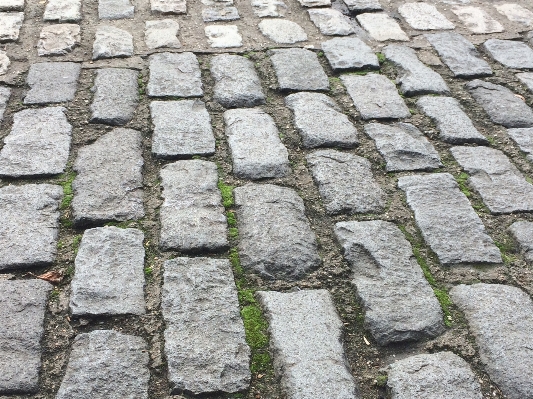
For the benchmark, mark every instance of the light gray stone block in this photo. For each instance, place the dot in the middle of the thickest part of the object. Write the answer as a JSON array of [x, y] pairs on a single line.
[[112, 42], [63, 10], [524, 139], [168, 6], [516, 13], [298, 69], [345, 53], [58, 39], [381, 27], [510, 53], [363, 5], [424, 16], [52, 82], [162, 33], [12, 5], [174, 74], [269, 8], [527, 79], [522, 232], [5, 94], [331, 22], [314, 3], [477, 20], [282, 31], [10, 24], [115, 9], [220, 13], [223, 36], [5, 62]]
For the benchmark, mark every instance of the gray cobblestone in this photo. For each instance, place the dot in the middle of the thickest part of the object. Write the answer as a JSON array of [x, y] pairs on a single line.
[[282, 31], [162, 33], [423, 16], [63, 10], [524, 139], [510, 53], [477, 20], [174, 74], [115, 9], [363, 5], [345, 53], [522, 232], [10, 24], [58, 39], [381, 27], [331, 22], [52, 82], [298, 69], [112, 42]]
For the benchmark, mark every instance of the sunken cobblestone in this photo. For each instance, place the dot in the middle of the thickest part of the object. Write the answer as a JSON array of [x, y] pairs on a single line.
[[52, 82], [174, 74], [344, 53], [522, 232], [298, 69]]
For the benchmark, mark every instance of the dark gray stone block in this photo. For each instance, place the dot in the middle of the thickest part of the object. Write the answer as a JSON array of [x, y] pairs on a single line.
[[522, 232], [510, 53]]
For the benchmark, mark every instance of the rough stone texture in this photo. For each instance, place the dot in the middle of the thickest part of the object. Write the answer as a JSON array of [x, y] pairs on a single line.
[[115, 96], [269, 8], [404, 147], [516, 13], [282, 31], [22, 308], [306, 341], [524, 139], [115, 9], [375, 96], [363, 5], [381, 27], [220, 13], [399, 303], [459, 55], [414, 77], [276, 240], [162, 33], [12, 5], [298, 69], [331, 22], [5, 94], [236, 82], [58, 39], [204, 340], [501, 105], [10, 24], [182, 129], [522, 232], [63, 10], [315, 3], [501, 186], [527, 79], [477, 20], [168, 6], [345, 53], [109, 273], [499, 317], [192, 216], [438, 375], [256, 149], [345, 182], [109, 181], [320, 121], [174, 74], [454, 125], [447, 221], [111, 42], [52, 82], [423, 16], [38, 144], [510, 53], [30, 225], [105, 362], [223, 36], [5, 62]]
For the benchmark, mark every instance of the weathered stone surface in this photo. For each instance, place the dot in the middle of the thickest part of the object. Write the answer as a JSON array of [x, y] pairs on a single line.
[[182, 129], [269, 8], [454, 125], [298, 69], [111, 42], [174, 74], [438, 375], [115, 9], [414, 77], [527, 79], [510, 53], [115, 96], [381, 27], [63, 10], [363, 5], [58, 39], [22, 308], [5, 62], [501, 186], [10, 24], [522, 232], [162, 33], [12, 5], [168, 6], [109, 273], [447, 221], [38, 144], [501, 105], [375, 96], [398, 301], [223, 36], [109, 181], [282, 31], [459, 55], [204, 338], [220, 13], [516, 13], [30, 225], [349, 53], [524, 139], [276, 240], [306, 340], [314, 3], [52, 82], [499, 317], [256, 149], [5, 94], [345, 182], [477, 20], [424, 16], [320, 121], [404, 147], [103, 362], [331, 22], [236, 82], [192, 216]]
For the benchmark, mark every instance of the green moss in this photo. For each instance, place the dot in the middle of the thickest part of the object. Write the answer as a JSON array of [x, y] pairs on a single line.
[[70, 271], [260, 362], [233, 232], [461, 180], [227, 194], [66, 182], [381, 57], [140, 82], [320, 54], [121, 225], [381, 381], [54, 295], [232, 221], [506, 249], [76, 243], [148, 272], [67, 223]]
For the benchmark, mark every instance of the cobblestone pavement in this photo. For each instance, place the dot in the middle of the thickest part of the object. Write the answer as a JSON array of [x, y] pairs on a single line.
[[266, 199]]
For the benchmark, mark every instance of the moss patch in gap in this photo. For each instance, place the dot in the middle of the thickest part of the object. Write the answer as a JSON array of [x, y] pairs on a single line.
[[227, 194], [142, 86], [381, 57], [76, 243], [506, 248], [461, 180], [65, 182]]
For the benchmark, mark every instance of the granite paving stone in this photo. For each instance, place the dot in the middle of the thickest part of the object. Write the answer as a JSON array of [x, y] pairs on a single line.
[[522, 232], [112, 42], [477, 20], [331, 22], [162, 33], [282, 31], [22, 309], [499, 317], [298, 69], [424, 16], [398, 301], [363, 5], [192, 215], [58, 39], [205, 341], [109, 273], [115, 9], [344, 53], [10, 24], [516, 13], [256, 149], [5, 62], [510, 53], [220, 13], [276, 240], [306, 340], [314, 3], [448, 223], [527, 79], [223, 36], [269, 8], [52, 82], [30, 225], [524, 139], [108, 185], [38, 143], [12, 5], [63, 10], [168, 6], [174, 74], [381, 27], [5, 94]]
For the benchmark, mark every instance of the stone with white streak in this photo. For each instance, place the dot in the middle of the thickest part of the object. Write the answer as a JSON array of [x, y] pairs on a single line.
[[477, 20]]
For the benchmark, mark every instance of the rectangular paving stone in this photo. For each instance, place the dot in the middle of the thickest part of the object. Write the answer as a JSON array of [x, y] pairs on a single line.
[[527, 79], [256, 149], [192, 215], [314, 3], [162, 33], [381, 27], [115, 9], [516, 13], [109, 273], [22, 308], [524, 138], [510, 53], [269, 8], [103, 362], [205, 342], [38, 144], [306, 340], [220, 13], [12, 5], [109, 182], [59, 39], [63, 10], [52, 82], [168, 6], [5, 94], [363, 5], [447, 220], [522, 232], [499, 317], [173, 74], [182, 129], [477, 20], [282, 31], [112, 42], [223, 36], [30, 225], [375, 96], [276, 239], [298, 69], [10, 24], [331, 22], [423, 16], [398, 301], [345, 53]]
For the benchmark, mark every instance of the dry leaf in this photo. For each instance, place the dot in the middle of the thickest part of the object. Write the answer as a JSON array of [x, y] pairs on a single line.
[[53, 277]]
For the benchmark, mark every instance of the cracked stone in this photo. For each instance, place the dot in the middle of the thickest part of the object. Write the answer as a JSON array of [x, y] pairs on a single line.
[[63, 10], [510, 53], [423, 16], [10, 24], [162, 33], [344, 53], [174, 74], [477, 20], [381, 27], [223, 36], [115, 9], [111, 42], [282, 31], [58, 39], [52, 82], [298, 69], [331, 22]]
